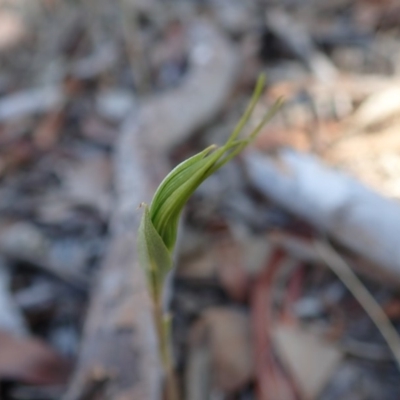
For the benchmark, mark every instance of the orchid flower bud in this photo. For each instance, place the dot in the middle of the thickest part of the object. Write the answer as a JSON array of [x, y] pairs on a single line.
[[159, 224]]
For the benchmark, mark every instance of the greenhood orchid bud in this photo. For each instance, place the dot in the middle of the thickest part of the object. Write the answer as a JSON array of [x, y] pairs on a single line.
[[159, 225]]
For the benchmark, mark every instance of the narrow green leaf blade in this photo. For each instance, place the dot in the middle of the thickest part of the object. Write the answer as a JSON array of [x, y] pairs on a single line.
[[154, 256]]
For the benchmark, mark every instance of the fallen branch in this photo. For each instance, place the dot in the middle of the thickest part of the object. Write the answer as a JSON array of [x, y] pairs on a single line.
[[335, 203]]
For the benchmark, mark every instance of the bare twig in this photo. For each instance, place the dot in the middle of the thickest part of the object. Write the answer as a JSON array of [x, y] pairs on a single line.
[[340, 267]]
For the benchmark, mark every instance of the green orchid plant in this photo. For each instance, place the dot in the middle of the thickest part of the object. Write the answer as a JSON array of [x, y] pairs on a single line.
[[159, 224]]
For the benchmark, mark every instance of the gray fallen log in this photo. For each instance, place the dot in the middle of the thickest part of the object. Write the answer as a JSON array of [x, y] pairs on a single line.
[[357, 217]]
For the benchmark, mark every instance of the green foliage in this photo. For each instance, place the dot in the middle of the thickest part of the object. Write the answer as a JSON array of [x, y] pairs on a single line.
[[159, 225]]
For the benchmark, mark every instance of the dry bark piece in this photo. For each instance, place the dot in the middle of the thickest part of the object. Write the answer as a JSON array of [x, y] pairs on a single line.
[[228, 333], [310, 360], [31, 361]]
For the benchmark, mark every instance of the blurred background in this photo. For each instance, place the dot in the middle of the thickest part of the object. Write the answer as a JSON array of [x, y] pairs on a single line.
[[288, 266]]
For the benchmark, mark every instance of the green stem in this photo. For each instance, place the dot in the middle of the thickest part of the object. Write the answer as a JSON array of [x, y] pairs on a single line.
[[163, 327]]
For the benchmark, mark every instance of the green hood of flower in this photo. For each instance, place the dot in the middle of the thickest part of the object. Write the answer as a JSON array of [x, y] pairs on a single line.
[[159, 225]]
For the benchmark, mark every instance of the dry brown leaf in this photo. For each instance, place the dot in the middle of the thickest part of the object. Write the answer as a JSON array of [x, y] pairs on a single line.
[[310, 360], [31, 361], [229, 337]]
